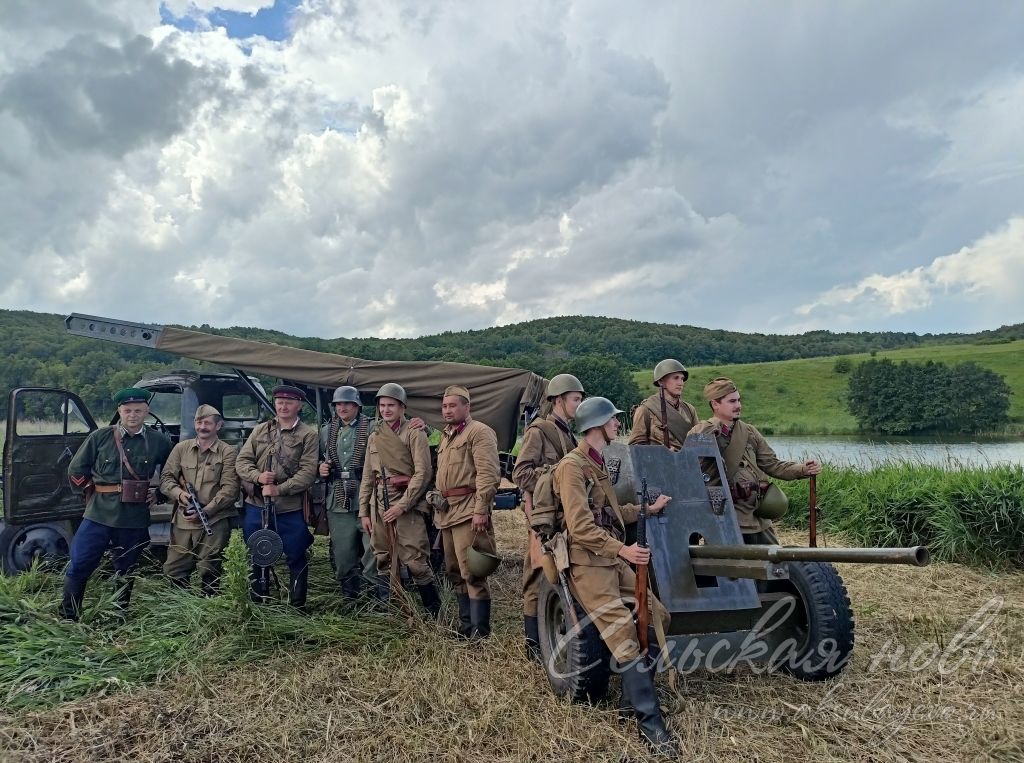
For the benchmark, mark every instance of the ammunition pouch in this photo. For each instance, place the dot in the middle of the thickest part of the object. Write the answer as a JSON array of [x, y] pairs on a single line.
[[315, 514], [134, 491], [744, 490]]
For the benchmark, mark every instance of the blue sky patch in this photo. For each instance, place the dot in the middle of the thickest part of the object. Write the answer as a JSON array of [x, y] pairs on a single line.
[[271, 23]]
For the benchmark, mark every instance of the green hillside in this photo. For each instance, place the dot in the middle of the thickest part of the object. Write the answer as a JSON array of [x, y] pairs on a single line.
[[808, 396]]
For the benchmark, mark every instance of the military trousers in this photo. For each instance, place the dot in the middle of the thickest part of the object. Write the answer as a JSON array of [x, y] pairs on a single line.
[[351, 550], [191, 548], [410, 537], [93, 539], [457, 540], [607, 596], [295, 535], [532, 574], [765, 537]]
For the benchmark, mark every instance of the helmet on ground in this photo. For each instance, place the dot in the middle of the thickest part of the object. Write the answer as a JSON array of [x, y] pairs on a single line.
[[346, 394], [595, 412], [479, 563], [669, 366], [392, 390], [773, 505], [563, 383]]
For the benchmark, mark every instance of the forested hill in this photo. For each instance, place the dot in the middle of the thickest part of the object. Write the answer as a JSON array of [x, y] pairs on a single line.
[[36, 350]]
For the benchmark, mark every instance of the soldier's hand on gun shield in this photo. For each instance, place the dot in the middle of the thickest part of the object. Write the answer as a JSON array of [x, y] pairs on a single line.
[[661, 502], [634, 554]]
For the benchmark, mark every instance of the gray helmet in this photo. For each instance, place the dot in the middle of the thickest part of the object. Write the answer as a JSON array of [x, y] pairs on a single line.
[[392, 390], [594, 412], [479, 563], [669, 366], [346, 394], [773, 504], [563, 383]]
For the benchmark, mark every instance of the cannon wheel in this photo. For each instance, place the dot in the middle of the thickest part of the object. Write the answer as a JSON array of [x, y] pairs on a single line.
[[581, 668], [824, 628]]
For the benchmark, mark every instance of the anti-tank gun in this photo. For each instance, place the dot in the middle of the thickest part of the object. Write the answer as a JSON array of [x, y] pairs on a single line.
[[731, 605]]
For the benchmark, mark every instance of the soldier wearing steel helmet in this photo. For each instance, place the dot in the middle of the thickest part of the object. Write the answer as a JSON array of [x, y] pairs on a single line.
[[749, 461], [664, 418], [398, 462], [545, 442], [600, 575], [468, 475], [344, 440]]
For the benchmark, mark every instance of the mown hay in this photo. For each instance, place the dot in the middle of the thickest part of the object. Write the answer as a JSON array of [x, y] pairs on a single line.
[[430, 697]]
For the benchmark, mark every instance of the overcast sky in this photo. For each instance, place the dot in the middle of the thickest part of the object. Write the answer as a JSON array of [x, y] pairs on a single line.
[[346, 168]]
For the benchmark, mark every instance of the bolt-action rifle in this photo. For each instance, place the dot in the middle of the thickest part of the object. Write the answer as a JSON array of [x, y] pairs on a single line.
[[640, 591]]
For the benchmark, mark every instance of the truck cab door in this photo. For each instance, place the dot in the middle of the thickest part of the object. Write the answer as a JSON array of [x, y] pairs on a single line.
[[45, 427]]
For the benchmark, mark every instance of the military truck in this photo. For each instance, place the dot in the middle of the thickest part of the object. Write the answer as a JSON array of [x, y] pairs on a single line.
[[45, 426]]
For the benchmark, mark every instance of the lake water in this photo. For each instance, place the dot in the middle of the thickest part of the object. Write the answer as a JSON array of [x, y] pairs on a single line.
[[865, 451]]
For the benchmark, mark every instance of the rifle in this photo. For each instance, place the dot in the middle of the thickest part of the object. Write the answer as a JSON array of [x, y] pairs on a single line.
[[813, 514], [195, 504], [265, 545], [389, 527], [640, 591]]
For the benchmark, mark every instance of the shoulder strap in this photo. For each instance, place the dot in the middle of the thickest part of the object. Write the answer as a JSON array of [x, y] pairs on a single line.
[[734, 451], [120, 449], [552, 434]]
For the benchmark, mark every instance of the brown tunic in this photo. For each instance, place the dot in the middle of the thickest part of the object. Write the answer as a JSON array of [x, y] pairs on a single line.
[[544, 443], [295, 460], [416, 454], [649, 428], [468, 459], [211, 472]]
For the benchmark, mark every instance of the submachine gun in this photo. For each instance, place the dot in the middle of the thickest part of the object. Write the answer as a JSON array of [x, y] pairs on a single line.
[[195, 506], [265, 545]]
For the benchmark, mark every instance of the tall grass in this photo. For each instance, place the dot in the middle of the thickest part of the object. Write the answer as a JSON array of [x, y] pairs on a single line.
[[963, 514], [46, 660]]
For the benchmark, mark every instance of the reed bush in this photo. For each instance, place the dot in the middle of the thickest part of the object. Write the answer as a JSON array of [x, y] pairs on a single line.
[[973, 515]]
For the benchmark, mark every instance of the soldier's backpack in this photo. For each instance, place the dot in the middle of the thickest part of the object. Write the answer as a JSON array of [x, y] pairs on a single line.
[[546, 517]]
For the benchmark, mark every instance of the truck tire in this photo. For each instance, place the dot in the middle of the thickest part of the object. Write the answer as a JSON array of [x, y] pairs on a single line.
[[20, 545], [579, 665], [823, 627]]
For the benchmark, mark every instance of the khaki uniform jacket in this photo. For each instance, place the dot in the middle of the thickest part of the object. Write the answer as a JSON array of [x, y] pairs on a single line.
[[213, 475], [537, 449], [469, 459], [757, 464], [295, 460], [584, 492], [414, 495], [649, 429], [98, 460]]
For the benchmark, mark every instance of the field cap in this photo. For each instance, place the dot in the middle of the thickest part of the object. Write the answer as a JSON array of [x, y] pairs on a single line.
[[132, 395]]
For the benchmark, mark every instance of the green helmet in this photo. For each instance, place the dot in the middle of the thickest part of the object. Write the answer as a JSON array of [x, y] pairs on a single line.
[[669, 366], [392, 390], [773, 505], [563, 383], [346, 395], [479, 563], [594, 412]]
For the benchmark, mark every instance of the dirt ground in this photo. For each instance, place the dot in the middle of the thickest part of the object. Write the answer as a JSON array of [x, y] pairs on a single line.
[[938, 674]]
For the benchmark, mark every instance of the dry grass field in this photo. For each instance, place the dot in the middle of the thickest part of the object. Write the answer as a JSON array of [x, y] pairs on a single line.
[[914, 691]]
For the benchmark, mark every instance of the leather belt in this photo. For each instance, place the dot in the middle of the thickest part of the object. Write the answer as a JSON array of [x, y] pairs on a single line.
[[457, 492], [397, 482], [107, 488]]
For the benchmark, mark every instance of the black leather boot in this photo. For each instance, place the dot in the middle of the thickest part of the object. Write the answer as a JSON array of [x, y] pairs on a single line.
[[209, 585], [431, 600], [182, 583], [532, 637], [297, 589], [639, 695], [480, 615], [382, 589], [71, 603], [351, 587], [123, 585], [465, 617]]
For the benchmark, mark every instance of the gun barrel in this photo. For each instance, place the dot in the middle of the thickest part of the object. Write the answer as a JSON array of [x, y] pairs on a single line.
[[918, 556]]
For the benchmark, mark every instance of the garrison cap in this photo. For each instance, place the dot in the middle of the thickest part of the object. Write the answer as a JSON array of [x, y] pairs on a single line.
[[718, 388], [456, 389], [132, 395], [289, 392], [206, 410]]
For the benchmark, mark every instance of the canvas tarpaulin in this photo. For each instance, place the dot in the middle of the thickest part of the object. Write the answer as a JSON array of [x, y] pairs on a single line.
[[498, 394]]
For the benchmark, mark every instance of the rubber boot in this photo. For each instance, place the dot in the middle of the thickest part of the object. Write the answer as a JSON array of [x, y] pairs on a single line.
[[465, 618], [640, 697], [259, 585], [480, 615], [298, 584], [532, 631], [123, 585], [209, 585], [431, 600], [71, 603]]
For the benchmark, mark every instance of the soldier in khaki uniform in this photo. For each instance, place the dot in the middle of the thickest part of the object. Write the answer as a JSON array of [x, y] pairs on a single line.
[[398, 461], [291, 445], [546, 440], [749, 460], [208, 464], [468, 475], [600, 575], [664, 418]]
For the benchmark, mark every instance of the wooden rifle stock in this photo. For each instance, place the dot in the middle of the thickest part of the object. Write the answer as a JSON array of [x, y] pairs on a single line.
[[813, 514], [389, 527], [640, 591]]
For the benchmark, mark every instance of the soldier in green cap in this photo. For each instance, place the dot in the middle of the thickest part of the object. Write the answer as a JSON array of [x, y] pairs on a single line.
[[749, 461], [545, 441], [112, 469], [664, 418], [207, 463]]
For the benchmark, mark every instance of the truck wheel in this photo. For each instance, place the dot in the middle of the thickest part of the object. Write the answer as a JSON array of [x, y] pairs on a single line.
[[823, 626], [20, 545], [577, 662]]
